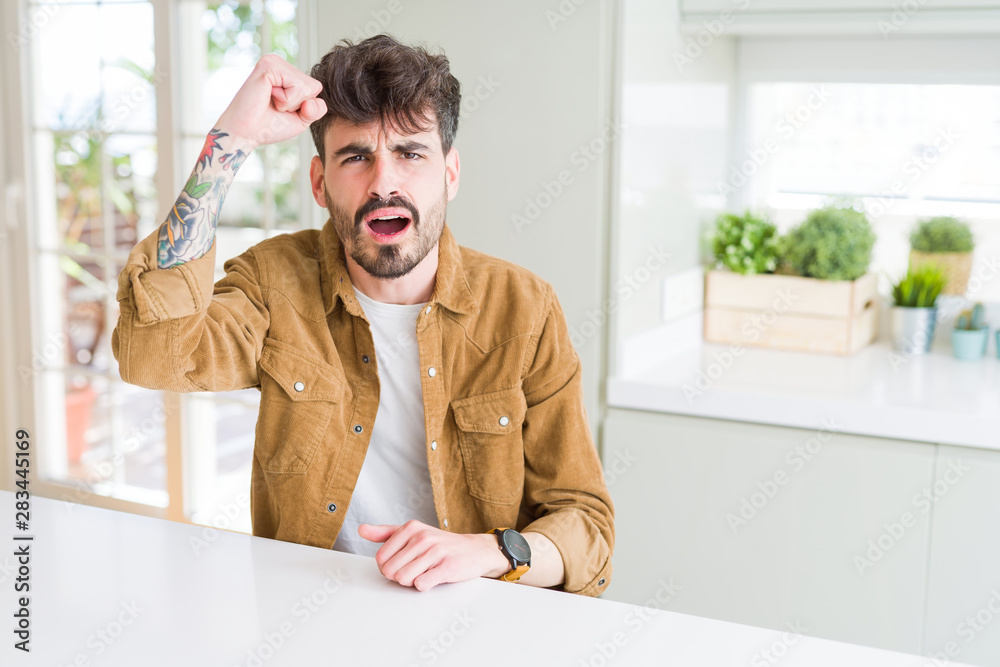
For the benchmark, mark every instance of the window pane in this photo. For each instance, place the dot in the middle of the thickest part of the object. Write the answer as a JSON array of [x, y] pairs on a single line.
[[283, 163], [131, 190], [113, 443], [225, 41], [222, 425], [901, 152], [128, 71], [68, 68], [79, 173], [86, 297]]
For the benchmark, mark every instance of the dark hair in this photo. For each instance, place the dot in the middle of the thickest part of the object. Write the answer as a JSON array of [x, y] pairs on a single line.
[[384, 80]]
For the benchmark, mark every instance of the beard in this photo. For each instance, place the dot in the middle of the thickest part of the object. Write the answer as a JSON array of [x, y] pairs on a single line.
[[392, 260]]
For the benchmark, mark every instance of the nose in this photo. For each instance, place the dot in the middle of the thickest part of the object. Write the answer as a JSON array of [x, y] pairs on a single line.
[[384, 179]]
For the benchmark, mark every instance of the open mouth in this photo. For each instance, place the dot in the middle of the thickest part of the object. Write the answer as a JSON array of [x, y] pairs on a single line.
[[387, 225]]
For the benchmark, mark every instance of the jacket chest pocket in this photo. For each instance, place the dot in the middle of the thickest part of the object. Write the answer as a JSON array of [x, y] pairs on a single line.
[[489, 436], [298, 396]]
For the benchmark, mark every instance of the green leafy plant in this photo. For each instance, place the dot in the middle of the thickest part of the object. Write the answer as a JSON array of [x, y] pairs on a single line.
[[919, 288], [833, 243], [942, 234], [972, 319], [746, 244]]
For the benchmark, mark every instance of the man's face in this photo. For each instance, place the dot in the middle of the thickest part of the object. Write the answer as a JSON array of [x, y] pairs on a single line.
[[387, 193]]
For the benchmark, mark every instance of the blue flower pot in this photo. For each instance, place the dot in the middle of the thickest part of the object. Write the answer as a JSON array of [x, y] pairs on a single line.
[[969, 345]]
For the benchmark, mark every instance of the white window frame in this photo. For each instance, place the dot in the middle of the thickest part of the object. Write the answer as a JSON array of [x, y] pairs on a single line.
[[18, 247]]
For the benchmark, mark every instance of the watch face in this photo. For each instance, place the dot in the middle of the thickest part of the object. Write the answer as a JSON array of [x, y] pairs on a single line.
[[517, 546]]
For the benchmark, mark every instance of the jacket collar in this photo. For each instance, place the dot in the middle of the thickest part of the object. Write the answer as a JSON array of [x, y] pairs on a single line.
[[451, 288]]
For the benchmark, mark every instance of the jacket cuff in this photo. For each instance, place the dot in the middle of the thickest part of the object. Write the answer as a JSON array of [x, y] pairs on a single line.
[[585, 553], [163, 294]]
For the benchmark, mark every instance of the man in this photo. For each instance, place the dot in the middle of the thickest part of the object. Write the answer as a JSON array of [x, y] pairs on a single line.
[[420, 401]]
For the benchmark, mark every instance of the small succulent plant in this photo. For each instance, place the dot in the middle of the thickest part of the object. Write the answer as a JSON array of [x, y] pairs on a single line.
[[746, 244], [972, 319], [919, 288]]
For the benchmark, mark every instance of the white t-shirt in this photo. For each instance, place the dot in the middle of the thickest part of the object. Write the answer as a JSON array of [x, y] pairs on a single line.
[[394, 485]]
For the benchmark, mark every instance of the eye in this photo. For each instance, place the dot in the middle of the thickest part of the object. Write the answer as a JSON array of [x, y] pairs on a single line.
[[412, 156], [354, 158]]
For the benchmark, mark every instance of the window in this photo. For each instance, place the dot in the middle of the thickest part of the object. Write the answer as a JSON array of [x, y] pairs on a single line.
[[905, 131], [99, 73]]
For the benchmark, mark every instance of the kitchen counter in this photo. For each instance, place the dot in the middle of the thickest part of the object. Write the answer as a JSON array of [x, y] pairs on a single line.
[[926, 398]]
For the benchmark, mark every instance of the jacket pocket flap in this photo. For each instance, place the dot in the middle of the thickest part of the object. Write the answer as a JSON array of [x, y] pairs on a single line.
[[302, 378], [499, 412]]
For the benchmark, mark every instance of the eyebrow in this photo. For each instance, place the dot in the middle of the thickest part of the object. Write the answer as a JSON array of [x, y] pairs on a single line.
[[356, 148]]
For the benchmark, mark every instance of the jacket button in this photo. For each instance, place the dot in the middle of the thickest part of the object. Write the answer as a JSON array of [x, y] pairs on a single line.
[[299, 386], [427, 310], [364, 358], [446, 523], [504, 421], [357, 428], [431, 371], [332, 507], [601, 582], [434, 445]]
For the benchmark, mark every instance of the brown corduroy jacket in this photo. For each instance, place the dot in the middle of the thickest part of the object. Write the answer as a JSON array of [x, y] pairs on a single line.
[[502, 394]]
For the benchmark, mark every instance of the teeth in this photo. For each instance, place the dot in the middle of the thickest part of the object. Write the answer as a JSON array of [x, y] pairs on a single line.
[[387, 217]]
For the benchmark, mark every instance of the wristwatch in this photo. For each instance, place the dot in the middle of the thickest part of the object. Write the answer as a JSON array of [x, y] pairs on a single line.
[[516, 549]]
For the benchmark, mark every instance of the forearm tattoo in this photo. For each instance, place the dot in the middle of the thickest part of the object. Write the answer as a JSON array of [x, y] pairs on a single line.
[[190, 226]]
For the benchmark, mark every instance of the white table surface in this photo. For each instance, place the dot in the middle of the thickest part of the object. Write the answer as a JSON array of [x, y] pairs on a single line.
[[139, 583], [925, 398]]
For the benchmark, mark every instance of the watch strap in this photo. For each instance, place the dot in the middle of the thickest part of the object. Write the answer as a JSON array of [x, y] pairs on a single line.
[[517, 571]]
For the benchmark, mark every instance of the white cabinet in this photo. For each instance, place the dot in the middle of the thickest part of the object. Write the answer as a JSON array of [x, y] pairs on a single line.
[[768, 525], [963, 597]]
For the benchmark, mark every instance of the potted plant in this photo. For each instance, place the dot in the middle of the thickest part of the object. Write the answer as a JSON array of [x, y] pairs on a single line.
[[746, 244], [809, 290], [947, 242], [914, 311], [833, 243], [968, 339]]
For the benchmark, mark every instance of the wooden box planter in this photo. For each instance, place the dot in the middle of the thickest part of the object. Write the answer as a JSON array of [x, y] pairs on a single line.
[[791, 312]]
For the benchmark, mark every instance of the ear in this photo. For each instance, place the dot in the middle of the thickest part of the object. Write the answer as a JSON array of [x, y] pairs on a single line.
[[452, 166], [317, 181]]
